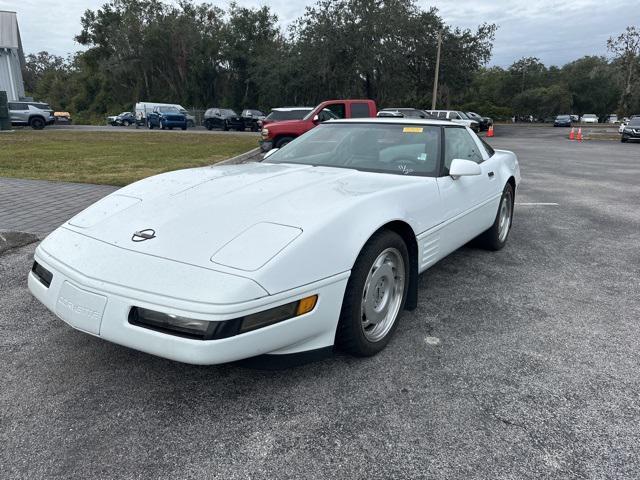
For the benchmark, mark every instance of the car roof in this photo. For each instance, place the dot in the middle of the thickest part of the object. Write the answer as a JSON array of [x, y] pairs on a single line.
[[289, 109], [393, 120]]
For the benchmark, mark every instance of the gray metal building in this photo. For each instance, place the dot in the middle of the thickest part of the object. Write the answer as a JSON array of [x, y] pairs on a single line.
[[11, 56]]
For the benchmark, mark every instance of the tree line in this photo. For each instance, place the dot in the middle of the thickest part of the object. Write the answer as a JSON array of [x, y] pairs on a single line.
[[200, 56]]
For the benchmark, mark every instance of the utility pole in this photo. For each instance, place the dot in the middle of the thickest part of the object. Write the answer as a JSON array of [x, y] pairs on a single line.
[[435, 80]]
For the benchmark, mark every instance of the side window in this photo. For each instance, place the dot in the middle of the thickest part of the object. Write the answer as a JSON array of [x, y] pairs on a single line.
[[325, 115], [338, 109], [359, 110], [442, 115], [455, 116], [459, 144]]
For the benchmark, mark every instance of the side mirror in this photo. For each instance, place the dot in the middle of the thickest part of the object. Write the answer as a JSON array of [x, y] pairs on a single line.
[[316, 119], [463, 168], [269, 153]]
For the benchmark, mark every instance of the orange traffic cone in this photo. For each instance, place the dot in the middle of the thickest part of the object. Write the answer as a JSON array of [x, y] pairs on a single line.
[[579, 137], [490, 132], [572, 134]]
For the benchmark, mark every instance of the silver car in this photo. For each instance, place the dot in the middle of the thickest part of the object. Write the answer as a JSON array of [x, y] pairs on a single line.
[[34, 114]]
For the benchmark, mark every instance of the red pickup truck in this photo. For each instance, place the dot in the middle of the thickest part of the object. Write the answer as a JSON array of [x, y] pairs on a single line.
[[279, 134]]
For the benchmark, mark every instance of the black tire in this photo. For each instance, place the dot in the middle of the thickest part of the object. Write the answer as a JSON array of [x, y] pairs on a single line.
[[283, 141], [37, 123], [170, 128], [190, 124], [350, 334], [624, 139], [208, 125], [492, 239], [149, 125], [162, 125], [254, 127], [183, 128], [225, 127], [126, 123]]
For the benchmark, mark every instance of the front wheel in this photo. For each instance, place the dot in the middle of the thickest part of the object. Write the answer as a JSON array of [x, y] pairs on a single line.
[[126, 123], [623, 139], [150, 125], [375, 295], [226, 126], [496, 237], [37, 123]]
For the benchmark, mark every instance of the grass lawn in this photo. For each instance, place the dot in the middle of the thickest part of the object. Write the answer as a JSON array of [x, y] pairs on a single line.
[[111, 158]]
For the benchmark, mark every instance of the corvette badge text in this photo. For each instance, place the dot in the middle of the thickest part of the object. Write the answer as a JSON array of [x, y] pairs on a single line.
[[79, 309]]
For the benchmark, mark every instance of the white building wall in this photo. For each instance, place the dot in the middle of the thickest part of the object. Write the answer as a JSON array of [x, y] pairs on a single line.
[[10, 52]]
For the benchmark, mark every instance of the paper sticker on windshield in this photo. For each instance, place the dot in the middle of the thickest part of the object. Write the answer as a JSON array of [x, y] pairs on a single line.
[[412, 130]]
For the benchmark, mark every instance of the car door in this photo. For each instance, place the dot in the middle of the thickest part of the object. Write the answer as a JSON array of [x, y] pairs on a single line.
[[19, 112], [467, 201]]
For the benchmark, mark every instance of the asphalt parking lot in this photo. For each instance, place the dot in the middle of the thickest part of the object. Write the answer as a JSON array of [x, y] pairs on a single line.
[[519, 364]]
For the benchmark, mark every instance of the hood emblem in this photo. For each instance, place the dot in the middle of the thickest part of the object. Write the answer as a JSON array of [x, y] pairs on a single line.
[[142, 235]]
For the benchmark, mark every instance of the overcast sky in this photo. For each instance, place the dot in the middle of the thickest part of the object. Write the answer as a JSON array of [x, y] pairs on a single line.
[[556, 31]]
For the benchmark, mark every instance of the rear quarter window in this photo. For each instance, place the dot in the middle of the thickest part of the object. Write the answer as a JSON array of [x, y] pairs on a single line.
[[360, 110]]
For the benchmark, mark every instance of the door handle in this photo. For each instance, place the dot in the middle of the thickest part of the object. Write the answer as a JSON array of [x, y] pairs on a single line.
[[490, 174]]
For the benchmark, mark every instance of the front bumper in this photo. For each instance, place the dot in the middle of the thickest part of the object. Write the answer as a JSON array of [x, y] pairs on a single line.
[[100, 306], [174, 123], [631, 135]]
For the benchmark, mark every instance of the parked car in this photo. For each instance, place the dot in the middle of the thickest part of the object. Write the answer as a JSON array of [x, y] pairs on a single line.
[[612, 118], [321, 244], [37, 115], [125, 118], [62, 117], [285, 113], [250, 119], [562, 121], [631, 131], [166, 117], [278, 134], [223, 118], [456, 116], [144, 108], [575, 118], [403, 113], [589, 118], [483, 122]]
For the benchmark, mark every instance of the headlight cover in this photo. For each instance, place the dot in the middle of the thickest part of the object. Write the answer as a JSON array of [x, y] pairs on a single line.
[[211, 330]]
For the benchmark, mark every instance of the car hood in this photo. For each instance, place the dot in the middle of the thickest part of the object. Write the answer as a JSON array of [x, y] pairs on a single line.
[[228, 217]]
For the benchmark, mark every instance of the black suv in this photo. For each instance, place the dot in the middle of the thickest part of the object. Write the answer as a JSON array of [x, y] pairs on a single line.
[[223, 118], [632, 130], [251, 118]]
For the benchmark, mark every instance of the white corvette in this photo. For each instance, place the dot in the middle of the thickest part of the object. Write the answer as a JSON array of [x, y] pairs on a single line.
[[319, 245]]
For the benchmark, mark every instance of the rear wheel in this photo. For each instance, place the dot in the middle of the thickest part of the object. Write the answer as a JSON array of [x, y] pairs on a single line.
[[624, 139], [283, 141], [226, 126], [150, 125], [37, 123], [208, 125], [126, 123], [375, 295], [496, 237]]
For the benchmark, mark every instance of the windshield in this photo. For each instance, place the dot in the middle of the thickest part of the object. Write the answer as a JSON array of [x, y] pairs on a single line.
[[229, 113], [464, 115], [288, 114], [401, 149], [634, 122], [589, 115], [563, 117], [168, 110]]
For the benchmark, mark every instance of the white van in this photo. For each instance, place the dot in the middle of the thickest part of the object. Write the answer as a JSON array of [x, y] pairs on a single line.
[[143, 108]]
